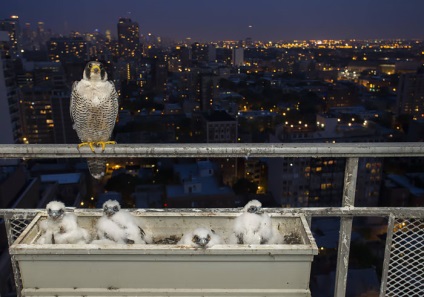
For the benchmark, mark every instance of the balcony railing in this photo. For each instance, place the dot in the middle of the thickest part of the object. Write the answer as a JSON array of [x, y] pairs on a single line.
[[404, 248]]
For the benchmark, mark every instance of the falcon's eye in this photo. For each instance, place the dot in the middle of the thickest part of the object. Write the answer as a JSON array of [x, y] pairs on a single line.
[[61, 211], [49, 210], [115, 208], [195, 238], [209, 237], [105, 208], [90, 65]]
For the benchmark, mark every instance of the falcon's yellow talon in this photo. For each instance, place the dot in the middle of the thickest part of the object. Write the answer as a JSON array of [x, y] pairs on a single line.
[[103, 144], [90, 144]]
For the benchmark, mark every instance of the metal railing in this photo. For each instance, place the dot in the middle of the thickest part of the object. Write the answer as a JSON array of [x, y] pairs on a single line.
[[404, 250]]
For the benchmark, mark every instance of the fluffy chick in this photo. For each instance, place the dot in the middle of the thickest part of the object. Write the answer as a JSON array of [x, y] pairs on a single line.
[[200, 238], [120, 226], [61, 227], [252, 226]]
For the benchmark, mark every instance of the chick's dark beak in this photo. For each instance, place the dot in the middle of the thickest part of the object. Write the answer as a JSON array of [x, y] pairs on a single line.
[[203, 242], [55, 215]]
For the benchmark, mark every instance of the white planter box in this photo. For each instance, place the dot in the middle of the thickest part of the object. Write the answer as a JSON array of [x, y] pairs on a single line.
[[168, 270]]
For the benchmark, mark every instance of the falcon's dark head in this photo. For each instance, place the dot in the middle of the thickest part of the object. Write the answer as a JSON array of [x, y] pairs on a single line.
[[111, 207], [55, 210], [95, 71]]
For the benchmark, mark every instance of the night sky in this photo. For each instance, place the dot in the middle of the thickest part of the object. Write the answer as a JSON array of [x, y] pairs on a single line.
[[231, 19]]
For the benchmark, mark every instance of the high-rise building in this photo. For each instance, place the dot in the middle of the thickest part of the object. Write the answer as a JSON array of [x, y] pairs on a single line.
[[410, 97], [302, 182], [62, 123], [211, 53], [45, 102], [36, 114], [219, 127], [208, 90], [108, 35], [129, 39], [160, 73], [27, 37], [11, 26], [67, 49], [9, 102], [255, 170], [180, 59], [238, 57], [41, 36], [199, 52], [62, 49]]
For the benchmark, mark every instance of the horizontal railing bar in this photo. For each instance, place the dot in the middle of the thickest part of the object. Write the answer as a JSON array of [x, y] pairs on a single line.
[[399, 212], [218, 150]]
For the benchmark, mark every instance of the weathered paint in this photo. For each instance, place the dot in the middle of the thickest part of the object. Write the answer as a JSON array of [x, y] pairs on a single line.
[[227, 150]]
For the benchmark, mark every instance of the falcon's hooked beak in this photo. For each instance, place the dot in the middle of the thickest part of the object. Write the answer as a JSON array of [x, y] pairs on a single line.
[[95, 68]]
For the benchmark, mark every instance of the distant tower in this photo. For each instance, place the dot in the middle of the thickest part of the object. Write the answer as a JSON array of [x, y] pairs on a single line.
[[108, 35], [41, 37], [160, 73], [183, 53], [238, 57], [27, 37], [208, 89], [128, 39], [211, 53], [410, 98]]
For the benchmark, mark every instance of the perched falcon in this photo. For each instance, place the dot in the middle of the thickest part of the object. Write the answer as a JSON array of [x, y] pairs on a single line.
[[94, 108]]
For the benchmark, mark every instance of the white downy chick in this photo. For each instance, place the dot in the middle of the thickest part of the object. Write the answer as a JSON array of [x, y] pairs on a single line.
[[200, 238], [120, 226], [252, 226], [61, 227]]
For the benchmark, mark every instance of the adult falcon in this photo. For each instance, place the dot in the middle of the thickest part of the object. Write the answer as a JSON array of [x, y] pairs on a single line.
[[94, 108]]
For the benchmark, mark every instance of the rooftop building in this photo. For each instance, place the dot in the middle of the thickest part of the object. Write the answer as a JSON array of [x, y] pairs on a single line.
[[311, 182], [410, 98], [198, 186]]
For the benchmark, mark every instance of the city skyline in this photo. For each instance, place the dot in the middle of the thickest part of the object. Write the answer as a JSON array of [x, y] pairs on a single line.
[[272, 20]]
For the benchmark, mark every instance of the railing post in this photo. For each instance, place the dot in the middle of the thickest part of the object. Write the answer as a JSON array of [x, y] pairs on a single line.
[[388, 247], [350, 177], [15, 268]]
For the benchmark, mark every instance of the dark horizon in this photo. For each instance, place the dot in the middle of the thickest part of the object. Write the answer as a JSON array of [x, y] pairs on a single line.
[[235, 20]]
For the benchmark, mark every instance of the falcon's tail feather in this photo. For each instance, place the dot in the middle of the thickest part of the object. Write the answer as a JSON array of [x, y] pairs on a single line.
[[97, 167]]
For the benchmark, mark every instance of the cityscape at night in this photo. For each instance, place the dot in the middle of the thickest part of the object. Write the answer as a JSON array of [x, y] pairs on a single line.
[[278, 72]]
